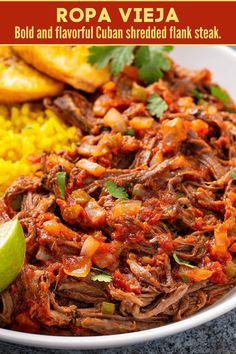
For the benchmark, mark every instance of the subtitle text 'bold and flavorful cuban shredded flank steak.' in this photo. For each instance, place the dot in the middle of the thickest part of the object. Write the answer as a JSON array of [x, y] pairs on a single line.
[[135, 227]]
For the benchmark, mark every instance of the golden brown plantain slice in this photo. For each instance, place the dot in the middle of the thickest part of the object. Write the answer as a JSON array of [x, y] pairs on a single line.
[[19, 82], [65, 63]]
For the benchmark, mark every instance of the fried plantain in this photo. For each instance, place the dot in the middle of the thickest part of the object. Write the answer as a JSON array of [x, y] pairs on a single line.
[[65, 63], [19, 82]]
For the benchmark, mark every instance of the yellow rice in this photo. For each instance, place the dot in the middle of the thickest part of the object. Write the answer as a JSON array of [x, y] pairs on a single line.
[[26, 130]]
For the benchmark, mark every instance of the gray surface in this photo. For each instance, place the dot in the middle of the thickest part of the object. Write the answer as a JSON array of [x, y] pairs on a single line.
[[215, 337]]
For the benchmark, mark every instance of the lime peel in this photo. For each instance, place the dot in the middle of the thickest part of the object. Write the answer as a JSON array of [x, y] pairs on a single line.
[[12, 252]]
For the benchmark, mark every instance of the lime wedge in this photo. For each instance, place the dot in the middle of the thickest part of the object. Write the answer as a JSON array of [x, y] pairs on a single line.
[[12, 252]]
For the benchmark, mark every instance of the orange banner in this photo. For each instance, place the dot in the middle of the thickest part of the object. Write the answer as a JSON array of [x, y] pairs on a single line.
[[117, 22]]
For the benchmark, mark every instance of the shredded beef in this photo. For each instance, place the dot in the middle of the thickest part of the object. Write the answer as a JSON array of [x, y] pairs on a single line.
[[141, 231]]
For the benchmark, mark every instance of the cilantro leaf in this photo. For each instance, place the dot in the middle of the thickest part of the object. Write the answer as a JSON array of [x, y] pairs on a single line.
[[202, 102], [130, 132], [196, 94], [151, 63], [61, 182], [100, 55], [185, 278], [105, 277], [115, 191], [123, 56], [156, 105], [182, 262], [167, 48], [233, 174], [219, 93], [117, 57]]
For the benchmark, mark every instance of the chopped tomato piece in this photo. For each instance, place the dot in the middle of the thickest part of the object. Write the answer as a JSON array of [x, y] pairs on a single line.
[[195, 274], [25, 324], [233, 247], [109, 142], [126, 207], [139, 123], [54, 160], [57, 229], [200, 127], [165, 242], [109, 86], [106, 255], [221, 241], [122, 282], [218, 276]]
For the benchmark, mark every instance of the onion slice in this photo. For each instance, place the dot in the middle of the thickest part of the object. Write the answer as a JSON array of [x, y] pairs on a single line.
[[91, 167], [78, 267], [89, 247], [115, 120]]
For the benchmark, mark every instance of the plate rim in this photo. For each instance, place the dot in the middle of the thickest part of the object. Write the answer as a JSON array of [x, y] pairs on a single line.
[[119, 340]]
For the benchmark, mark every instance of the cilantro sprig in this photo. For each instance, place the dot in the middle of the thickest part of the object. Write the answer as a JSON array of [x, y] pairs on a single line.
[[61, 182], [115, 191], [102, 276], [156, 105], [220, 94], [151, 61], [185, 278], [117, 57], [196, 94], [181, 261], [233, 174], [105, 277], [130, 132]]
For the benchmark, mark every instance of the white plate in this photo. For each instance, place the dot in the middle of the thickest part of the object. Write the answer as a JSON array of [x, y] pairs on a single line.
[[219, 59], [222, 62]]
